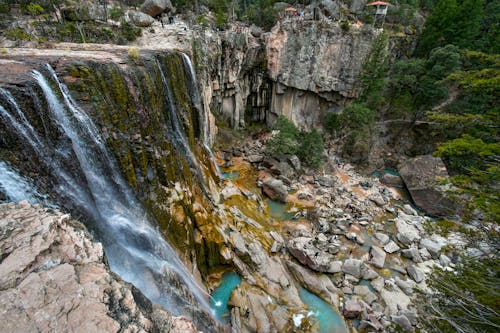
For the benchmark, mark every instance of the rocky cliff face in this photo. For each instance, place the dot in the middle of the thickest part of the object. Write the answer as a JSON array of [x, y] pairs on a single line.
[[54, 277], [301, 69]]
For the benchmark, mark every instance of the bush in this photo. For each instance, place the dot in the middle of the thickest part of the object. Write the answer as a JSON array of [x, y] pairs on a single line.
[[332, 122], [16, 34], [308, 146], [116, 12], [311, 149], [133, 54], [129, 31], [345, 26]]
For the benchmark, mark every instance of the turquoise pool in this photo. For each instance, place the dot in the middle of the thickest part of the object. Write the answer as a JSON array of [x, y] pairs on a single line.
[[328, 319], [220, 296]]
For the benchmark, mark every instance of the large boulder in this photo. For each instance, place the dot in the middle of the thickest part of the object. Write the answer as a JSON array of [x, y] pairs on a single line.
[[421, 176], [275, 189], [156, 7], [140, 19], [392, 180], [304, 250]]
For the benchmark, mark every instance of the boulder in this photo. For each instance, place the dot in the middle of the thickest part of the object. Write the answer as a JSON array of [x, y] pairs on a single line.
[[415, 273], [377, 256], [255, 158], [294, 162], [421, 176], [403, 322], [275, 189], [413, 254], [140, 19], [352, 309], [381, 238], [303, 249], [156, 7], [409, 210], [391, 247], [392, 180], [431, 246], [352, 267]]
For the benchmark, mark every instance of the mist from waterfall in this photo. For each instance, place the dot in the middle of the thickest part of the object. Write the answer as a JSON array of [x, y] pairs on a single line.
[[134, 247]]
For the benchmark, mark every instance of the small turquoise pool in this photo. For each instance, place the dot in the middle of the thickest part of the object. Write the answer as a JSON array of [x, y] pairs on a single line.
[[231, 175], [278, 210], [328, 319], [220, 296]]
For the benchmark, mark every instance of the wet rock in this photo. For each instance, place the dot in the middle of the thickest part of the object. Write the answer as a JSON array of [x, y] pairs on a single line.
[[392, 180], [415, 273], [421, 176], [391, 247], [381, 238], [156, 7], [352, 267], [352, 309], [275, 189], [377, 256]]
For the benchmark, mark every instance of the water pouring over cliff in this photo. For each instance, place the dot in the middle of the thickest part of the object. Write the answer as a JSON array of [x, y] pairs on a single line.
[[96, 189]]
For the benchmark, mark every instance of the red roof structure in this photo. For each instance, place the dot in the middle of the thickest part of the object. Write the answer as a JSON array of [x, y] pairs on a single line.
[[377, 3], [291, 9]]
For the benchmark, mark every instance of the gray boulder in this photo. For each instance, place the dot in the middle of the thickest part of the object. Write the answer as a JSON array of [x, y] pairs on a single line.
[[303, 249], [357, 6], [140, 19], [352, 267], [275, 189], [413, 254], [415, 273], [155, 7], [403, 322], [391, 247], [377, 256], [421, 176], [431, 246], [381, 238]]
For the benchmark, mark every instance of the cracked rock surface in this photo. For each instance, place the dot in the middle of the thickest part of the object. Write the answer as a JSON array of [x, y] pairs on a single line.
[[54, 278]]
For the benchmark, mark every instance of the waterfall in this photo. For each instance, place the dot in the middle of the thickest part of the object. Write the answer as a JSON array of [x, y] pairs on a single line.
[[134, 247], [17, 188], [195, 97], [177, 133]]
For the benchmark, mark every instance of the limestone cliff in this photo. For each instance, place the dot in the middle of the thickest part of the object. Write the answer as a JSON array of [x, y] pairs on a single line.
[[54, 277]]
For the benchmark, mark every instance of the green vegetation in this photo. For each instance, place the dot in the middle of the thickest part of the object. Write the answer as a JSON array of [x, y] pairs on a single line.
[[289, 140], [17, 34], [465, 300]]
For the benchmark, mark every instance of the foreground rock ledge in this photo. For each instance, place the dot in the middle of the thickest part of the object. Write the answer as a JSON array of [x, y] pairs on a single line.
[[53, 277]]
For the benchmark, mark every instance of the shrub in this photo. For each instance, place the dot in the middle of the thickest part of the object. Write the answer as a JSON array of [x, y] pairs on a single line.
[[133, 54], [332, 122], [17, 34], [116, 12]]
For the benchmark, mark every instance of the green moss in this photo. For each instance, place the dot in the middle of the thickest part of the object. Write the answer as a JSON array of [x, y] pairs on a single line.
[[17, 34]]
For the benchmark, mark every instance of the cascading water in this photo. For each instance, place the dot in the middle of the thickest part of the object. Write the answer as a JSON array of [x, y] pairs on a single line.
[[134, 248], [195, 97], [17, 188]]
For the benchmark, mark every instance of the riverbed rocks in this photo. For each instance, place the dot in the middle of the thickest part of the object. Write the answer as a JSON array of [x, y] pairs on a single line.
[[306, 251], [421, 176], [275, 189], [53, 274], [377, 256]]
